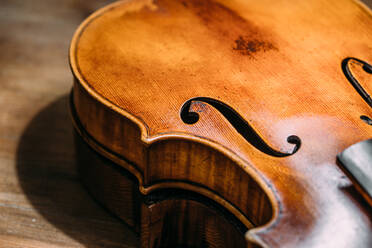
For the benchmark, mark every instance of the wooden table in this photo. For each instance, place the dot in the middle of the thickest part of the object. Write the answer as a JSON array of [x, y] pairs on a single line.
[[42, 203]]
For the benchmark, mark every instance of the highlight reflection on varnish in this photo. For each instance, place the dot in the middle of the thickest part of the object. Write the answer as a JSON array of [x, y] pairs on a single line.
[[217, 123]]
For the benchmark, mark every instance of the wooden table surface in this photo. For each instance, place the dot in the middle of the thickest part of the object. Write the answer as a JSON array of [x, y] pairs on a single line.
[[42, 203]]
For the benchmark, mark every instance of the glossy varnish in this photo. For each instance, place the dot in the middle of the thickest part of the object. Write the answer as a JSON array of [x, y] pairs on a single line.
[[277, 64]]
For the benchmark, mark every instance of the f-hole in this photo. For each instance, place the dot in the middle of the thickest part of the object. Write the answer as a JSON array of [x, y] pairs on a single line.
[[240, 125], [354, 82]]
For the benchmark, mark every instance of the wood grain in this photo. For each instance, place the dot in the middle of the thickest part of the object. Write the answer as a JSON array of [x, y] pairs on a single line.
[[35, 81], [166, 218], [42, 203], [278, 65]]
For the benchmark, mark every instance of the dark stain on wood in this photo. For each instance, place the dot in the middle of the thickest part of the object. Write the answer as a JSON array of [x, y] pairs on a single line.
[[228, 25], [246, 46]]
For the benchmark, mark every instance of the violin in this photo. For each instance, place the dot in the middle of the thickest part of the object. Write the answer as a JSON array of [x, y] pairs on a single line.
[[215, 123]]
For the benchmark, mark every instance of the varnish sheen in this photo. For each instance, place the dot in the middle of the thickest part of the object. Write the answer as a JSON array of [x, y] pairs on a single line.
[[225, 111]]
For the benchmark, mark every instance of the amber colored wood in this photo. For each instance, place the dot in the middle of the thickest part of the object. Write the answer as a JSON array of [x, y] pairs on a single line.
[[277, 64], [163, 219]]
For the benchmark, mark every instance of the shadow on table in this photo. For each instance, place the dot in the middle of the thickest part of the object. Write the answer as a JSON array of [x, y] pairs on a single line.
[[47, 173]]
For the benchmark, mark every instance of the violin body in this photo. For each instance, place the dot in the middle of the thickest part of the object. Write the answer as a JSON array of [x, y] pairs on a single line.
[[217, 123]]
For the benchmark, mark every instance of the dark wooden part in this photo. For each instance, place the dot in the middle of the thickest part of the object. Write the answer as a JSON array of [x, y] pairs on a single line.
[[183, 222], [245, 199], [356, 162], [164, 218], [109, 184]]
